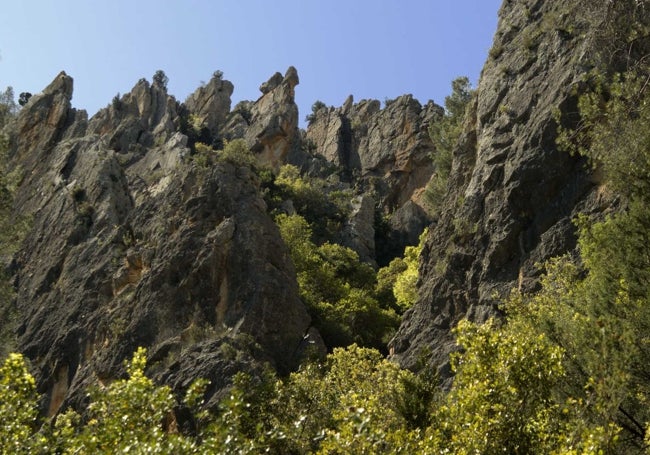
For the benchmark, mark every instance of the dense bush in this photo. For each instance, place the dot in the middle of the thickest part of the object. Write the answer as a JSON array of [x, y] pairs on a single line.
[[160, 79], [338, 289], [315, 108], [234, 152], [23, 98], [237, 153], [325, 208], [8, 106]]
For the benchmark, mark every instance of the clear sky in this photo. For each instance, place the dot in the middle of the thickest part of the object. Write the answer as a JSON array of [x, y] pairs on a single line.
[[368, 48]]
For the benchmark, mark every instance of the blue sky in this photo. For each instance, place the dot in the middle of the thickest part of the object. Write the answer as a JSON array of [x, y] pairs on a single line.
[[368, 48]]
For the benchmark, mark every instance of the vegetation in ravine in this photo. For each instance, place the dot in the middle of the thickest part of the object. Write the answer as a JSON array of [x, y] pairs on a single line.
[[338, 289], [564, 372], [349, 301]]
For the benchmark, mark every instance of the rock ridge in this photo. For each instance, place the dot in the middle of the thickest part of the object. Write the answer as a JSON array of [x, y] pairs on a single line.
[[134, 243]]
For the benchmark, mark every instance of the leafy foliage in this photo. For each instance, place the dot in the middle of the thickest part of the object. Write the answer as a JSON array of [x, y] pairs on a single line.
[[23, 98], [237, 153], [348, 405], [344, 295], [127, 415], [18, 403], [160, 79], [317, 106], [324, 207], [386, 277], [599, 311], [444, 134], [501, 400], [404, 289], [234, 152], [8, 106], [339, 290]]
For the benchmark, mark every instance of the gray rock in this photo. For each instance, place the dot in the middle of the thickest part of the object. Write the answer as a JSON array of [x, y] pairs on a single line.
[[272, 83], [211, 104], [385, 154], [359, 232], [145, 116], [273, 127], [143, 248], [512, 193]]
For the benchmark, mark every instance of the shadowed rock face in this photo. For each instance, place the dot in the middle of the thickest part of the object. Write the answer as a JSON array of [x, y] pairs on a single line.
[[512, 194], [133, 244]]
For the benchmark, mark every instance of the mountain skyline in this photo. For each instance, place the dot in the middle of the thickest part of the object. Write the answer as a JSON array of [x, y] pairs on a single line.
[[338, 48]]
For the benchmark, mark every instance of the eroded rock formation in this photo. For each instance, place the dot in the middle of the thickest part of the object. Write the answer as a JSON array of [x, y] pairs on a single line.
[[386, 153], [133, 244], [512, 194]]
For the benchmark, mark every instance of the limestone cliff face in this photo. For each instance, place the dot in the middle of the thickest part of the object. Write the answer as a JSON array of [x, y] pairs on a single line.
[[512, 195], [211, 103], [134, 244], [387, 147], [273, 129], [386, 154]]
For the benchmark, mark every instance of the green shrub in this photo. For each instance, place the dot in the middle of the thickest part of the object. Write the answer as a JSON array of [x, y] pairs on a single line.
[[338, 289], [160, 79], [19, 406], [312, 198], [8, 108], [404, 288], [315, 108], [237, 152], [444, 134]]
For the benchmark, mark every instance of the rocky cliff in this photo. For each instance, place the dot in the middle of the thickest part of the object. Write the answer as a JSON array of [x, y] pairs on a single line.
[[133, 243], [512, 195], [386, 155], [137, 239], [141, 235]]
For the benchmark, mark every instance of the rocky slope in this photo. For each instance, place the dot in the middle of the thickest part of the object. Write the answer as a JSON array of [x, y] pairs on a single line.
[[512, 194], [138, 240]]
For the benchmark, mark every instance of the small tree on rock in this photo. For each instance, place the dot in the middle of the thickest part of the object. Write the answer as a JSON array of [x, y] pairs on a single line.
[[23, 98], [160, 79]]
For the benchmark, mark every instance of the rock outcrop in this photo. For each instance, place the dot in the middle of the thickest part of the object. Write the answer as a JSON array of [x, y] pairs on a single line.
[[387, 148], [273, 126], [136, 242], [512, 194], [211, 104], [385, 154], [132, 243]]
